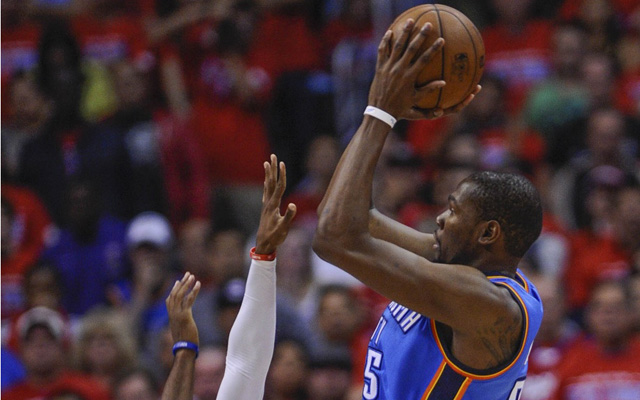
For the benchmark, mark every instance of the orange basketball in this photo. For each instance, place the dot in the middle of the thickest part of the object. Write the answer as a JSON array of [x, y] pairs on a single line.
[[460, 62]]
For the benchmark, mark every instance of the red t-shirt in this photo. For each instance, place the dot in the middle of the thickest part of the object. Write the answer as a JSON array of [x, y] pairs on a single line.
[[522, 60], [589, 373], [30, 223], [592, 259], [67, 382]]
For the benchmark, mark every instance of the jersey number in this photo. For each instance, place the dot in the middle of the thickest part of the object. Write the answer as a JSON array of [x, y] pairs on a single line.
[[516, 392], [374, 360]]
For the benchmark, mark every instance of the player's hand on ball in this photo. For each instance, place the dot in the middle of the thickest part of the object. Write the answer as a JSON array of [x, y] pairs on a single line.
[[433, 113], [393, 89], [179, 304]]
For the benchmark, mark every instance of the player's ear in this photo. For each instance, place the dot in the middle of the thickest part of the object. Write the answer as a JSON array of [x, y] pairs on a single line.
[[490, 232]]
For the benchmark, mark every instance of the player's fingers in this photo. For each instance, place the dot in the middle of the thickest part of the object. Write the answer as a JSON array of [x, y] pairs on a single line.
[[191, 297], [401, 42], [289, 214], [266, 181], [459, 107], [430, 87], [172, 294], [273, 175], [282, 183], [416, 43], [183, 287], [383, 48], [427, 56]]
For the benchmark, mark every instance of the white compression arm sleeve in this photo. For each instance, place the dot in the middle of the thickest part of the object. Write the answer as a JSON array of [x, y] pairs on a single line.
[[252, 336]]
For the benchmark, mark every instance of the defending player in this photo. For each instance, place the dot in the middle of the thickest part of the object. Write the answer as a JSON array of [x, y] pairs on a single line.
[[252, 336], [462, 319]]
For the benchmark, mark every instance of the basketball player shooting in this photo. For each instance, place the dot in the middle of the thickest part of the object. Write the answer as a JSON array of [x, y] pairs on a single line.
[[462, 318]]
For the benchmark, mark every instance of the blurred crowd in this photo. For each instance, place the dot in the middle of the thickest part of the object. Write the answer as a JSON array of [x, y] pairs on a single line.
[[133, 137]]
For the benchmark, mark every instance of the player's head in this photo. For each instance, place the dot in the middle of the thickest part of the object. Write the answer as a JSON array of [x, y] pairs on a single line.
[[491, 212]]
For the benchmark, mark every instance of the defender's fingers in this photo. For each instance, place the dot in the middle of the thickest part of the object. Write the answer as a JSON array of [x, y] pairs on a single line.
[[282, 182], [427, 56], [383, 49], [184, 287], [170, 298], [266, 181], [191, 297], [289, 214], [401, 42], [416, 43]]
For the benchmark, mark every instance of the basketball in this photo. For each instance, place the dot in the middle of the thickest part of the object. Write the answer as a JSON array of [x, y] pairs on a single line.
[[460, 62]]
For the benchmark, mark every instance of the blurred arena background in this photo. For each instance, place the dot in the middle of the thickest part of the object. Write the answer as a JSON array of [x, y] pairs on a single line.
[[133, 136]]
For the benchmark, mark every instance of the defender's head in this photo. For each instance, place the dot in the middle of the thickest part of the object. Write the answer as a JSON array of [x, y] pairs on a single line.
[[489, 212]]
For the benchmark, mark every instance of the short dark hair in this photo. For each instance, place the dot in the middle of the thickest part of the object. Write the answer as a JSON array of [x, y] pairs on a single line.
[[514, 202]]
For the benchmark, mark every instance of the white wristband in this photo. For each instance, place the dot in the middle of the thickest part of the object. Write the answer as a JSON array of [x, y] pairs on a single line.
[[381, 115]]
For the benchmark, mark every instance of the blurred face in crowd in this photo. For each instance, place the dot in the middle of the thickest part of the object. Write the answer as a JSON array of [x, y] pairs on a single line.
[[135, 387], [6, 228], [294, 261], [595, 12], [628, 218], [462, 149], [568, 50], [27, 103], [288, 372], [101, 352], [338, 317], [226, 254], [608, 314], [329, 383], [193, 248], [209, 370], [42, 353], [487, 103], [131, 86], [323, 157], [605, 131], [43, 289], [511, 11], [598, 73]]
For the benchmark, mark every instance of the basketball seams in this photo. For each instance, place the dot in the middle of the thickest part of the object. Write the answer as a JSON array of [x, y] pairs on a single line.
[[475, 51]]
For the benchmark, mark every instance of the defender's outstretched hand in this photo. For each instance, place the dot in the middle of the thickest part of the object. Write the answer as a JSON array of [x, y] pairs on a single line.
[[394, 87], [179, 304], [274, 227]]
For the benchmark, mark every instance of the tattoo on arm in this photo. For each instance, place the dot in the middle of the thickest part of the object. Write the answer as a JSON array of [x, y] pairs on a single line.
[[501, 339]]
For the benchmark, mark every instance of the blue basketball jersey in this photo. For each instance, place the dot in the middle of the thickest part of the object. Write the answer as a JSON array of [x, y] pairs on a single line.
[[407, 358]]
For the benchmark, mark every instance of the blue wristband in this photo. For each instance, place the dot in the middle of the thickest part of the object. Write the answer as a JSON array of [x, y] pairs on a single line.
[[185, 345]]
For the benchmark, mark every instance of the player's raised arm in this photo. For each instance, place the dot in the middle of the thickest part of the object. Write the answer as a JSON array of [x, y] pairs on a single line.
[[179, 385], [459, 296], [252, 337]]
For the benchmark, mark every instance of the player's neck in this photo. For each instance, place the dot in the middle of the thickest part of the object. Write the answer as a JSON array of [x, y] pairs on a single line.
[[489, 263]]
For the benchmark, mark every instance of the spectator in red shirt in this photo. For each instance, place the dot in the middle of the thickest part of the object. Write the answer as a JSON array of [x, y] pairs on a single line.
[[517, 49], [43, 343], [604, 366], [25, 223], [168, 167], [609, 256]]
